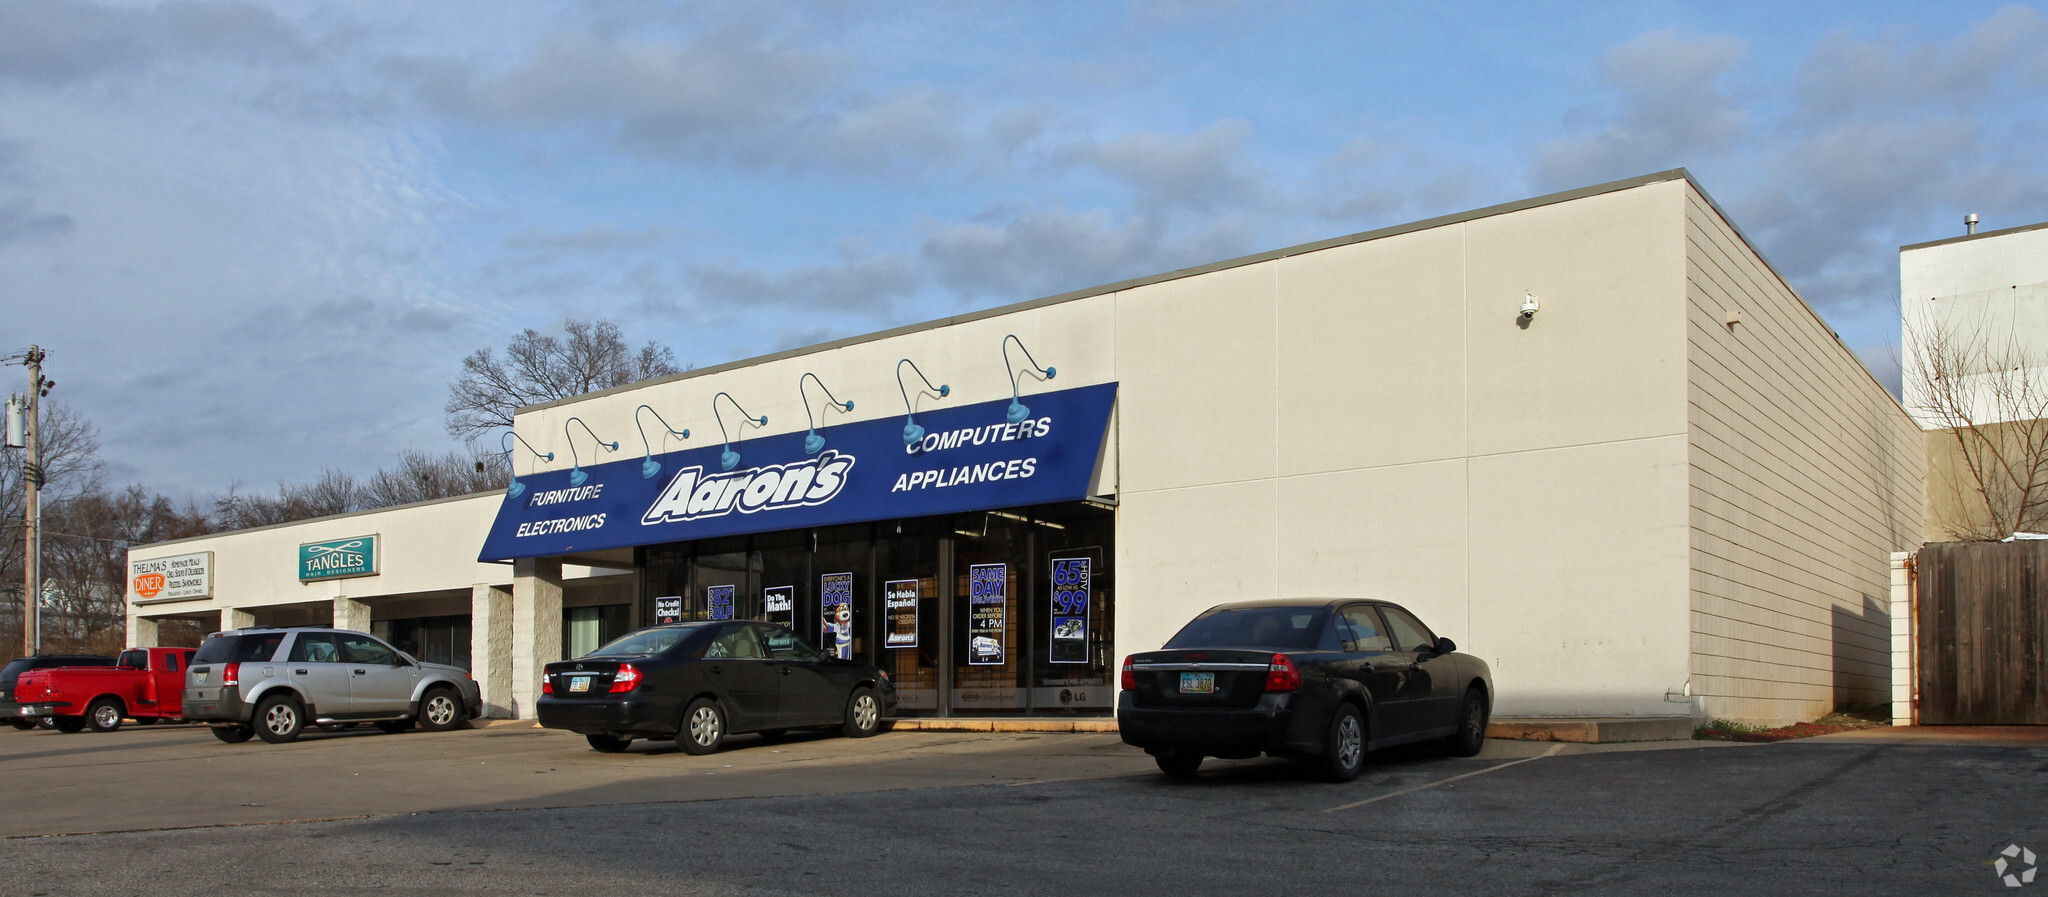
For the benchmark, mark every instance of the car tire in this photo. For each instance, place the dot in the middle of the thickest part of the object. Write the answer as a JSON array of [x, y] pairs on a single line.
[[607, 744], [1180, 763], [24, 725], [279, 719], [233, 734], [440, 710], [394, 726], [69, 725], [103, 715], [703, 727], [863, 714], [1471, 734], [1343, 745]]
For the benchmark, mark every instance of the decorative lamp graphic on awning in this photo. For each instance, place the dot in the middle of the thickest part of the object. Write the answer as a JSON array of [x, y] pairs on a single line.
[[911, 431], [518, 488], [649, 467], [813, 443], [730, 459], [1018, 411], [576, 475]]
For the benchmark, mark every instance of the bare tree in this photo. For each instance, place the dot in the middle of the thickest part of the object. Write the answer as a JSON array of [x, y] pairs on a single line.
[[85, 556], [1988, 396], [420, 476], [540, 367], [71, 467]]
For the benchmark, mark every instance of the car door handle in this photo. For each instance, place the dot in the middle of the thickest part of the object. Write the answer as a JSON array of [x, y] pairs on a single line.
[[717, 670], [785, 671], [298, 672], [361, 672]]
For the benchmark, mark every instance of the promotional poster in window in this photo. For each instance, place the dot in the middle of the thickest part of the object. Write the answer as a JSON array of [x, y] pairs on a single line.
[[835, 591]]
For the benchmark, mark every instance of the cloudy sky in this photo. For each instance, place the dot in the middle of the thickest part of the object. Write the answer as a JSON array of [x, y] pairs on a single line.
[[257, 239]]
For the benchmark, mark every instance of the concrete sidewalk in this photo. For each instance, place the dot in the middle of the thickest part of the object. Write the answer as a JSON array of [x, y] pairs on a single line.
[[1947, 736]]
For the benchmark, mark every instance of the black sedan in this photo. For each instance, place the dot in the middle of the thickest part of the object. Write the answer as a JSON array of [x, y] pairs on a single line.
[[1321, 680], [698, 682]]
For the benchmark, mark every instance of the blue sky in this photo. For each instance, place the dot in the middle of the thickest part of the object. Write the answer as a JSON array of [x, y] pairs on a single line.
[[258, 239]]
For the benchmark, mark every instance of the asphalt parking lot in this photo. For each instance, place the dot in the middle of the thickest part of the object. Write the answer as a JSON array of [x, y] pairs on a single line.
[[513, 810]]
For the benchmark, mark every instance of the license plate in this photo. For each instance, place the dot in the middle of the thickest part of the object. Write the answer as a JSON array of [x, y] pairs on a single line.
[[579, 683], [199, 678], [1197, 683]]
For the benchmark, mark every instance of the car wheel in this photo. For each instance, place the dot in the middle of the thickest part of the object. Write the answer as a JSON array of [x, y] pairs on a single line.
[[279, 719], [863, 714], [440, 711], [703, 727], [68, 724], [233, 734], [1180, 763], [395, 726], [22, 724], [1344, 746], [1471, 734], [607, 744], [103, 715]]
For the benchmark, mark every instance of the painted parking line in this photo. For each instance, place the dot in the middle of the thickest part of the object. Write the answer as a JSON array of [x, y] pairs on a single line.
[[1477, 772]]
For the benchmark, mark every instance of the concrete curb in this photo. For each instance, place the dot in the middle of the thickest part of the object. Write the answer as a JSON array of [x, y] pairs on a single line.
[[1593, 731], [1576, 731], [1003, 725]]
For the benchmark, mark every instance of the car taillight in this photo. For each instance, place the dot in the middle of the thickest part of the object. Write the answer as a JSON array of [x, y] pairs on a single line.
[[1130, 675], [231, 674], [1282, 674], [547, 685], [626, 679]]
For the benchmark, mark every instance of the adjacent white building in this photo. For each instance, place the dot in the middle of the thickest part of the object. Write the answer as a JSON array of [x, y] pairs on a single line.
[[1669, 490]]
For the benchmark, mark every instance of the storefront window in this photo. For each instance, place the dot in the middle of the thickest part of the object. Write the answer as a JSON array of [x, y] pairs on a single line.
[[998, 641], [429, 639], [584, 629]]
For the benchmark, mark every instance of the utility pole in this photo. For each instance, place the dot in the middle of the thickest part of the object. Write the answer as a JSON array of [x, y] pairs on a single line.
[[32, 512]]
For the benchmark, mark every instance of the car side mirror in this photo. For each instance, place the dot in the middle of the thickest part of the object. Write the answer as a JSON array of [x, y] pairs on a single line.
[[1445, 645]]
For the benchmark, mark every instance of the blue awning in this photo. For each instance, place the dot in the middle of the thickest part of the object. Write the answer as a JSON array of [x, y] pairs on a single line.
[[970, 459]]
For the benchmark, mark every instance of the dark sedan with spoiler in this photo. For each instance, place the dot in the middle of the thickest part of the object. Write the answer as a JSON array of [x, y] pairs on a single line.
[[1320, 680], [698, 682]]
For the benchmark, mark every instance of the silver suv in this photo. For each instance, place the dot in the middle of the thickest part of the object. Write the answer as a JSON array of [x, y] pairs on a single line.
[[272, 683]]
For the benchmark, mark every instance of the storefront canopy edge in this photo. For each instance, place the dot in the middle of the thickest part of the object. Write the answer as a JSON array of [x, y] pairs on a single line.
[[971, 458]]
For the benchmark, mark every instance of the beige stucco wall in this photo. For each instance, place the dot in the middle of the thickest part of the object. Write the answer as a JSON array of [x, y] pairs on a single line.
[[1988, 290], [1806, 475], [427, 561], [1383, 427]]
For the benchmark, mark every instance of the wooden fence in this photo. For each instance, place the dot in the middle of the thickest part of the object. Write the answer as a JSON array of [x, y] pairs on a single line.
[[1980, 628]]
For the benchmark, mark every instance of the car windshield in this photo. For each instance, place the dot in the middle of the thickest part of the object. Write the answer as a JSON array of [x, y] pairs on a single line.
[[1279, 628], [646, 641]]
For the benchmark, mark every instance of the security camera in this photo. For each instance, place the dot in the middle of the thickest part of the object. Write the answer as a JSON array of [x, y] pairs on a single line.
[[1528, 306]]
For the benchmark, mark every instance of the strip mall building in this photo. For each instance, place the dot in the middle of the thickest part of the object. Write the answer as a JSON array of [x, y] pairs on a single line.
[[1670, 490]]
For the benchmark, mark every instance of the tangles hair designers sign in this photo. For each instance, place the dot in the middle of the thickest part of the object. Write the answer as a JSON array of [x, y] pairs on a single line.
[[338, 558], [835, 607], [988, 587], [899, 606]]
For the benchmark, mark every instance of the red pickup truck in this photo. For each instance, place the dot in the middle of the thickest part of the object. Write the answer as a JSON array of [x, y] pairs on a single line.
[[144, 684]]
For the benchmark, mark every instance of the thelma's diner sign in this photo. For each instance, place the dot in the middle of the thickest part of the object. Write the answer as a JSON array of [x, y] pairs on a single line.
[[338, 558]]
